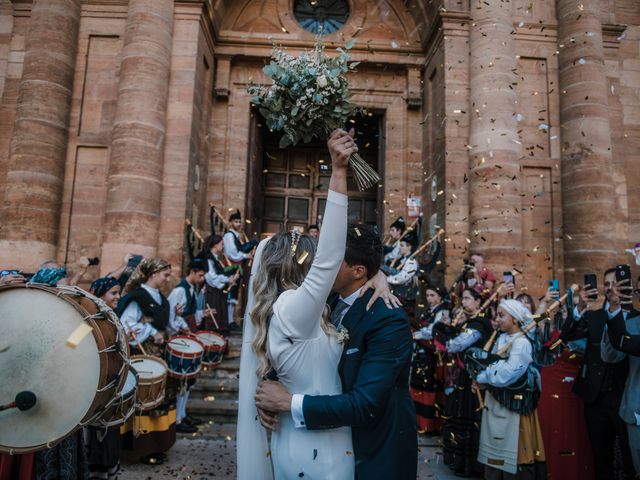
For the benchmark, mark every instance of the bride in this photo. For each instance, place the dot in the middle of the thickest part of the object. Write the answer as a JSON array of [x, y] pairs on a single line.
[[289, 333]]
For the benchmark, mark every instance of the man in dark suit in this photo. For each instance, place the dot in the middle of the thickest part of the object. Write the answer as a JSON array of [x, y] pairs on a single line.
[[600, 384], [374, 369]]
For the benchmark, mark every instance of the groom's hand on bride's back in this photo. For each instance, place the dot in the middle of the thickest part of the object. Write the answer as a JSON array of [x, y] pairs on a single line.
[[273, 397]]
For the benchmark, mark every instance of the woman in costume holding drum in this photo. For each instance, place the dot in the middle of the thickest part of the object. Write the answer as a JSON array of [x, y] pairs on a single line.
[[511, 444], [103, 444], [144, 313], [219, 279]]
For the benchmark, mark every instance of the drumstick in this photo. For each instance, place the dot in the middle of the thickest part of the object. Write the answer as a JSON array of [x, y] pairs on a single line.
[[212, 317], [135, 337]]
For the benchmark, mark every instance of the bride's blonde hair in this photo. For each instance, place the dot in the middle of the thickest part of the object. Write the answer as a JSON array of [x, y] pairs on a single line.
[[281, 268]]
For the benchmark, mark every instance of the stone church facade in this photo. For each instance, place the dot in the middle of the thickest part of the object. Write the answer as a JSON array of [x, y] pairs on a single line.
[[515, 124]]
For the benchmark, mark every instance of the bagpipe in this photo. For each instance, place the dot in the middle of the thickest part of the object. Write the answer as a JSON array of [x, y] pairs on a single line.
[[217, 220], [521, 396]]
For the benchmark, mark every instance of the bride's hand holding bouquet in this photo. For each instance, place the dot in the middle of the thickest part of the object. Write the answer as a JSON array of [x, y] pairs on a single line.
[[310, 99]]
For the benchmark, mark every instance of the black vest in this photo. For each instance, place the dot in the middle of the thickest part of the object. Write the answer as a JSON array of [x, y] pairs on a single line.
[[191, 306], [149, 307]]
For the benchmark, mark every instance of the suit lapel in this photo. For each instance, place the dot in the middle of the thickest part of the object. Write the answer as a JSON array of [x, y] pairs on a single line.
[[351, 320]]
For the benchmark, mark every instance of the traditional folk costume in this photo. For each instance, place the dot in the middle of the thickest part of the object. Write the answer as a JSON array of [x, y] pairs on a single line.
[[461, 416], [103, 444], [183, 294], [216, 293], [392, 252], [427, 372], [237, 252], [146, 312], [403, 277], [511, 444]]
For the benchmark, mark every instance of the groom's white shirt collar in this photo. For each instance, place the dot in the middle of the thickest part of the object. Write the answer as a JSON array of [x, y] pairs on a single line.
[[350, 300]]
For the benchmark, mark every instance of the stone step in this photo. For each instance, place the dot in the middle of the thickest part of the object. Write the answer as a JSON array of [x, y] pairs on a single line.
[[215, 385], [213, 406], [213, 430]]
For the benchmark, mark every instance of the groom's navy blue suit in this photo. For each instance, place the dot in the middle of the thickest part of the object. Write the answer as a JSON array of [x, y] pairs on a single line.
[[374, 369]]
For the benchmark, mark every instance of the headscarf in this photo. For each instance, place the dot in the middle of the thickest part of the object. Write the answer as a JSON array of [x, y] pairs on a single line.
[[49, 276], [518, 311], [102, 285]]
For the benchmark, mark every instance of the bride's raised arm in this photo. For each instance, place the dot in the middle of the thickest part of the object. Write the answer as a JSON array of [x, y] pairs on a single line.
[[301, 308]]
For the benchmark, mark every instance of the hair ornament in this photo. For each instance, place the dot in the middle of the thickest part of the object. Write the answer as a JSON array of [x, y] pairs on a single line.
[[303, 257], [295, 240]]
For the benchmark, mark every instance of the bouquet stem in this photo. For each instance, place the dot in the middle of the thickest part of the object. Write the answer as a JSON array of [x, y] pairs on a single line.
[[365, 176]]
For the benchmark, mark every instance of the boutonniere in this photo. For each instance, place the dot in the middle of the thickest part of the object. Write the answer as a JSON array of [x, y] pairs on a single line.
[[343, 334]]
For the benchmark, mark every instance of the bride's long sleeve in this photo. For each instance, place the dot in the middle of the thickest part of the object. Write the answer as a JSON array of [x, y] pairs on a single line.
[[300, 309]]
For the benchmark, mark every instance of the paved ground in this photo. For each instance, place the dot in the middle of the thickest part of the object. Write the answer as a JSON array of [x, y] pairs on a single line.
[[212, 455]]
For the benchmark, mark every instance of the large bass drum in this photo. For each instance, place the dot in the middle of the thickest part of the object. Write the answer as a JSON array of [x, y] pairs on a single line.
[[73, 386]]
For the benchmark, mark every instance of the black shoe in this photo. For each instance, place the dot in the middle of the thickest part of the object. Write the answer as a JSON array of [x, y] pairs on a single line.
[[194, 422], [184, 428], [234, 327]]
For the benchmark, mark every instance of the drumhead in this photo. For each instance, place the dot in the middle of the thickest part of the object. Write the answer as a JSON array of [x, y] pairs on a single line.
[[130, 383], [210, 338], [148, 368], [185, 345], [35, 326]]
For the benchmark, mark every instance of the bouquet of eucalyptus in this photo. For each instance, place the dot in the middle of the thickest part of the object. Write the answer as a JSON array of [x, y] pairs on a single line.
[[309, 98]]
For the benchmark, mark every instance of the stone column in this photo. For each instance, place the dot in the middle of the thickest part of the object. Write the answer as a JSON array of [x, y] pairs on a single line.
[[494, 147], [588, 194], [34, 178], [135, 172]]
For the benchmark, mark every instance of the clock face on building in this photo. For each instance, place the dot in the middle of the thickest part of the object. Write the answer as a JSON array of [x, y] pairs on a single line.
[[321, 16]]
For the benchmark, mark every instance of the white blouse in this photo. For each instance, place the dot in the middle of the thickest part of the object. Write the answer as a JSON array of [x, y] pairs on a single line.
[[504, 372]]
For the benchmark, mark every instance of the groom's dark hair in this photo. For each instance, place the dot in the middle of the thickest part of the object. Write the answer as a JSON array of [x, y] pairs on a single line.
[[364, 248]]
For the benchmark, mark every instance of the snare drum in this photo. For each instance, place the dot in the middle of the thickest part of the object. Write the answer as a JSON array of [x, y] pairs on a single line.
[[214, 347], [72, 385], [184, 356], [152, 380], [123, 406]]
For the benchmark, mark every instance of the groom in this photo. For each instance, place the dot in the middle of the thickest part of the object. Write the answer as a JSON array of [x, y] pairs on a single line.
[[374, 369]]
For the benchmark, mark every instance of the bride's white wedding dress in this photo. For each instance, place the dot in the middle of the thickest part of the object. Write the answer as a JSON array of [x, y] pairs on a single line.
[[306, 360]]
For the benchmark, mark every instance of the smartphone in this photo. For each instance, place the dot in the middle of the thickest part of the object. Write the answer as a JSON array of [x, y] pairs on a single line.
[[507, 277], [591, 279], [623, 272], [134, 261], [555, 285], [94, 261]]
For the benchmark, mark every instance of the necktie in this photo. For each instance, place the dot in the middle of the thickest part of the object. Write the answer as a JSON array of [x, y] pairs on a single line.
[[336, 315]]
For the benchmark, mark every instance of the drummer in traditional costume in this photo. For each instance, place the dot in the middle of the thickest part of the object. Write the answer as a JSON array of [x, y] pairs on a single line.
[[238, 252], [403, 273], [511, 445], [220, 277], [104, 444], [185, 318], [145, 313]]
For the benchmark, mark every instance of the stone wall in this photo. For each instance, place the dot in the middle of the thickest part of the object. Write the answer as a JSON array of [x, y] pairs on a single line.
[[416, 71]]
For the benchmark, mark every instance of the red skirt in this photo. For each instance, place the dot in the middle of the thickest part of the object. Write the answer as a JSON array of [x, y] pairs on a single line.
[[427, 406], [17, 467], [564, 430]]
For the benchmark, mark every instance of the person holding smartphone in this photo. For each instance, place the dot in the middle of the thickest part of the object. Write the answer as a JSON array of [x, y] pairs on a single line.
[[621, 340], [600, 384]]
